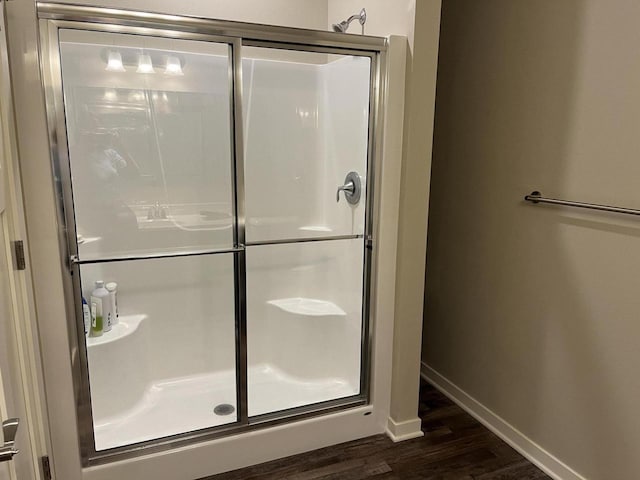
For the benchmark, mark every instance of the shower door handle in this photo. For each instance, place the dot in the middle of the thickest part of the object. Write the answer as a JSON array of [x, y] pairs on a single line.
[[9, 431], [351, 188]]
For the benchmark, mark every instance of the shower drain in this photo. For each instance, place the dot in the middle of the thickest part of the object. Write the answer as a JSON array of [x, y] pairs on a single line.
[[224, 409]]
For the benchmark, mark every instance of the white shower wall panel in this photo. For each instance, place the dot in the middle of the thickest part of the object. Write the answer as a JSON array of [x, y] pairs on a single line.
[[305, 127], [345, 124], [283, 147]]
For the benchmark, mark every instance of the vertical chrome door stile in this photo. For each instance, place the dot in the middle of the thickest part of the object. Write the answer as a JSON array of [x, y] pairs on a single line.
[[239, 233], [58, 144], [376, 92]]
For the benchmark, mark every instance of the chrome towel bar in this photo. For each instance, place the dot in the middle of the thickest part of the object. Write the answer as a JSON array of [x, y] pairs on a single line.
[[536, 197]]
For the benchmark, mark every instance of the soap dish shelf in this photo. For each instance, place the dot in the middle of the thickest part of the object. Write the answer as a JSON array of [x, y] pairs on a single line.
[[126, 326], [308, 307]]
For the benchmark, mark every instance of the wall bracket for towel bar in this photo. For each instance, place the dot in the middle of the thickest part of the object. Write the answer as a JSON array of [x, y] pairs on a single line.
[[536, 197]]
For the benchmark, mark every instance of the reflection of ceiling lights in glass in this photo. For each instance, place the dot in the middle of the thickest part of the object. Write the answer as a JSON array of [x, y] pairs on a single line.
[[114, 62], [173, 66], [135, 96], [110, 95], [144, 64]]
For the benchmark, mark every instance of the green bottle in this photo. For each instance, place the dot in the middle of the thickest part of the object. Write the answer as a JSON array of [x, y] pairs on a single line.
[[96, 318], [99, 306]]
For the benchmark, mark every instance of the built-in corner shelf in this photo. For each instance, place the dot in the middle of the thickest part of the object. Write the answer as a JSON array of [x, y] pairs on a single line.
[[308, 306], [127, 325]]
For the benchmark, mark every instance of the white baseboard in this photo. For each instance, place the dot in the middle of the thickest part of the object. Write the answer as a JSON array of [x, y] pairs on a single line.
[[401, 431], [533, 452]]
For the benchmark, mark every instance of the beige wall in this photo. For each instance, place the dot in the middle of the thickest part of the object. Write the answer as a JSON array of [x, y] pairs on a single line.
[[534, 310], [384, 17], [288, 13], [414, 203]]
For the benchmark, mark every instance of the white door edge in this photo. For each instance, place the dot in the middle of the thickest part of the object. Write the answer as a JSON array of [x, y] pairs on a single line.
[[25, 382]]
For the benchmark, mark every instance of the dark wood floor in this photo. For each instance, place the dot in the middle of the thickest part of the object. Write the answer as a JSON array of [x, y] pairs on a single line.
[[455, 447]]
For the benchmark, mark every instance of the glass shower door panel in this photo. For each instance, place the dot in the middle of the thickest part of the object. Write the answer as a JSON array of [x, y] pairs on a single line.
[[304, 323], [306, 118], [148, 127], [170, 360], [306, 128], [148, 123]]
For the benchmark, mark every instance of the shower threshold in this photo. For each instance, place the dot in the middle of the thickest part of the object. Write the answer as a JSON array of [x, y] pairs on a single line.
[[187, 404]]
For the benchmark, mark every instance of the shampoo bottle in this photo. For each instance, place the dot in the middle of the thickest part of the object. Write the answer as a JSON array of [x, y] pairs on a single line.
[[100, 309], [96, 317], [112, 288], [86, 315]]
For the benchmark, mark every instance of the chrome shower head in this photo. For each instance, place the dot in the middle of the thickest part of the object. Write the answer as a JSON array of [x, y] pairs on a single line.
[[340, 27], [344, 25]]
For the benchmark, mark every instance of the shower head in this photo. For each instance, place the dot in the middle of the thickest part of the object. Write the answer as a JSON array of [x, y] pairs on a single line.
[[344, 25]]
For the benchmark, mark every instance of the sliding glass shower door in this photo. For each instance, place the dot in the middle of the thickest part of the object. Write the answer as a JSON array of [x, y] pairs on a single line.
[[149, 136], [216, 199]]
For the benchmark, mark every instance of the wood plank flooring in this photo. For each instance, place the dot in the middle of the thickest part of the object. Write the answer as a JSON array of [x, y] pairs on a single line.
[[455, 447]]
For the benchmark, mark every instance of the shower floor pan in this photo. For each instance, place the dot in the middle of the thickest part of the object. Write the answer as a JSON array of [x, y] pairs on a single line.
[[186, 404]]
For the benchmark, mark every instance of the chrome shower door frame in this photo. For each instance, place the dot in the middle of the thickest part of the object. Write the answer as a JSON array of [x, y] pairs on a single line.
[[52, 18]]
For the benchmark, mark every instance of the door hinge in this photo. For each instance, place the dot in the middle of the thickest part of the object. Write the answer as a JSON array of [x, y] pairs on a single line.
[[46, 468], [18, 255]]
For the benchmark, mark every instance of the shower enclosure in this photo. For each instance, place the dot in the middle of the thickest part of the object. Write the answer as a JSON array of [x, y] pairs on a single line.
[[221, 174]]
